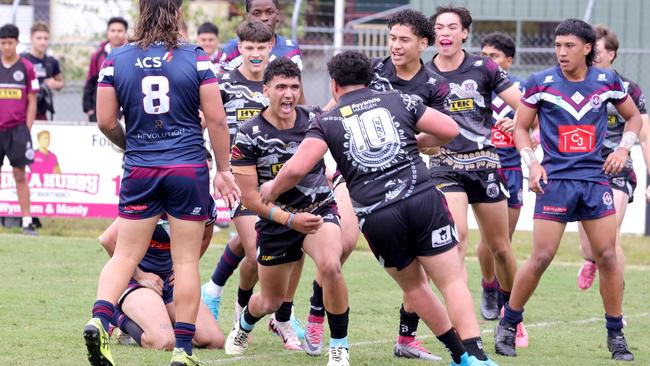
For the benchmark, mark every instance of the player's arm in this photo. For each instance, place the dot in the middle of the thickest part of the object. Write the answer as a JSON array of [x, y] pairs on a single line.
[[108, 108], [246, 177], [616, 161], [31, 110], [524, 121], [309, 153], [55, 82], [437, 129], [215, 120], [511, 97]]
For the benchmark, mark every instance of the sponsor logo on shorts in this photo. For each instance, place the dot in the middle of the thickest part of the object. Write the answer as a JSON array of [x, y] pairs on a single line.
[[618, 181], [576, 139], [269, 258], [520, 195], [443, 236], [246, 114], [460, 105], [607, 200], [492, 190], [135, 208], [196, 211], [29, 152], [442, 186], [554, 210]]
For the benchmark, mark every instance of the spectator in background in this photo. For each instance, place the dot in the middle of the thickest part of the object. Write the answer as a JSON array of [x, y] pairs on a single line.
[[115, 37], [18, 89], [46, 68], [208, 39]]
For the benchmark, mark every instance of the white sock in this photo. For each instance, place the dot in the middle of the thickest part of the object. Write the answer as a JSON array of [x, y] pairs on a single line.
[[27, 220], [213, 289]]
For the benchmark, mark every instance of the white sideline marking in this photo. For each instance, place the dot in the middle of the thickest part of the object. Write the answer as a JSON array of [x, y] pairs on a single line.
[[378, 341]]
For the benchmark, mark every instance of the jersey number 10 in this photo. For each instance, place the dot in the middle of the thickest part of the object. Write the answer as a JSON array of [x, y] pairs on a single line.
[[155, 89]]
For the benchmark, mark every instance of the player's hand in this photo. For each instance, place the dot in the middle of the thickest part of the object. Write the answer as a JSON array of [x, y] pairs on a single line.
[[266, 193], [150, 280], [506, 125], [170, 279], [615, 161], [536, 173], [306, 223], [226, 188]]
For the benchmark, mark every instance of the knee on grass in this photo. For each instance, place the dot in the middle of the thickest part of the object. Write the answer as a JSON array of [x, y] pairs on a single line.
[[163, 340]]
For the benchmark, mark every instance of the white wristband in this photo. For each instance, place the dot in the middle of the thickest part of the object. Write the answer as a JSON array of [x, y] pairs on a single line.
[[528, 155], [628, 140]]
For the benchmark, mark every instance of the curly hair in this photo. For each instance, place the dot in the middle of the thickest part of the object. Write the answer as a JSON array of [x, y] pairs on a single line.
[[419, 24], [350, 68], [582, 30], [159, 21], [501, 42], [281, 66]]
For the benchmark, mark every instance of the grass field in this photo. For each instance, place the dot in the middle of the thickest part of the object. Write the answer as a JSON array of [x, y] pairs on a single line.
[[48, 286]]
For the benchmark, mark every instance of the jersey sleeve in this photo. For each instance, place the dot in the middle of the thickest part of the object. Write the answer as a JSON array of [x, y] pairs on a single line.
[[107, 73], [498, 77], [617, 94], [413, 106], [440, 96], [294, 54], [56, 68], [639, 98], [228, 53], [31, 80], [243, 152], [532, 94], [316, 129], [205, 68]]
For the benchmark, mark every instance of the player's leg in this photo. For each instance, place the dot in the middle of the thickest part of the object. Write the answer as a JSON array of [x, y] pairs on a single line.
[[546, 240], [211, 291], [489, 284], [458, 203], [18, 151], [326, 253], [285, 312], [349, 238], [589, 268], [208, 334], [245, 225], [144, 308]]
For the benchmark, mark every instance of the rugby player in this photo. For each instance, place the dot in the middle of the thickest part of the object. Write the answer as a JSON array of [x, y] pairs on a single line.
[[303, 219], [466, 168], [164, 164], [372, 138], [207, 36], [243, 98], [570, 101], [623, 183]]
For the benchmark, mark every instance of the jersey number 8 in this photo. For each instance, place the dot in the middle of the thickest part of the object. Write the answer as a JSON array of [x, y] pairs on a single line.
[[155, 89]]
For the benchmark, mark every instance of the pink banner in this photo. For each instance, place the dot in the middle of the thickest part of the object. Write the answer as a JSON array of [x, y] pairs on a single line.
[[48, 209]]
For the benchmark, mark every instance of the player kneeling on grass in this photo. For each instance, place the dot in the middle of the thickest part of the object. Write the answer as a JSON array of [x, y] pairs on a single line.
[[303, 219], [373, 137], [145, 311], [570, 100]]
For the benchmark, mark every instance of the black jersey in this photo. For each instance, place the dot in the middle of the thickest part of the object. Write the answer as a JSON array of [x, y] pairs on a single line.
[[616, 122], [242, 99], [371, 136], [260, 144], [427, 86], [470, 96]]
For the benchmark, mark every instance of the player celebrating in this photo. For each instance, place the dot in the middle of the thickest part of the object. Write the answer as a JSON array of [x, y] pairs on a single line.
[[411, 34], [623, 183], [570, 101], [146, 309], [243, 98], [303, 219], [164, 164], [372, 137], [466, 169]]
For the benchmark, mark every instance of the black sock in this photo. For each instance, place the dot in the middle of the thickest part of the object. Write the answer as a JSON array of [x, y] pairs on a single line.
[[283, 314], [474, 347], [504, 297], [453, 344], [243, 296], [338, 324], [614, 325], [129, 327], [249, 319], [317, 308], [408, 323]]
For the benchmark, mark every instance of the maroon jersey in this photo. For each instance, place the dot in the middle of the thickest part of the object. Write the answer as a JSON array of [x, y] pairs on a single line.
[[16, 82]]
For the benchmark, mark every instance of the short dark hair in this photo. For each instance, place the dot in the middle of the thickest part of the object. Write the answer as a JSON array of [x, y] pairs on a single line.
[[9, 31], [462, 12], [582, 30], [501, 42], [609, 38], [281, 66], [350, 68], [208, 27], [118, 20], [249, 2], [419, 24], [255, 31]]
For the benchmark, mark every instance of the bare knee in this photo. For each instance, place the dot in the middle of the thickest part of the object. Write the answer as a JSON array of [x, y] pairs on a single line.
[[540, 262], [163, 340], [330, 270], [606, 258], [271, 304], [501, 252], [210, 341], [19, 176]]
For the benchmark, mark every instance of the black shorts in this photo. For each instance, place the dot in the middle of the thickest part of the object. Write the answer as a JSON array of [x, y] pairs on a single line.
[[624, 182], [278, 244], [482, 186], [420, 225], [16, 145], [241, 210]]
